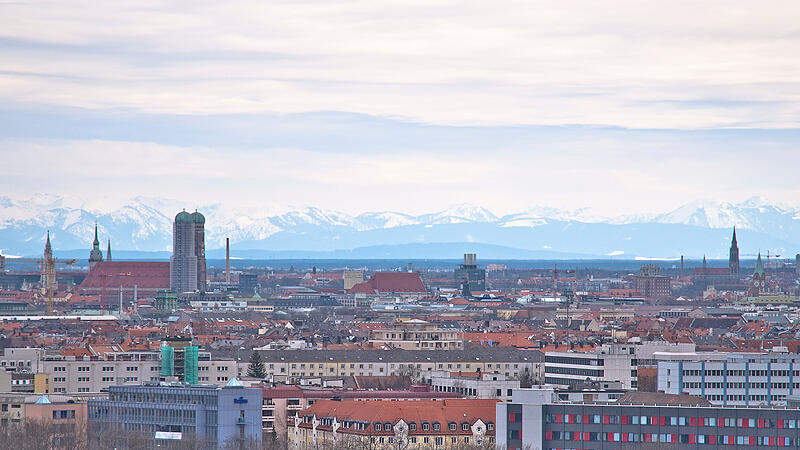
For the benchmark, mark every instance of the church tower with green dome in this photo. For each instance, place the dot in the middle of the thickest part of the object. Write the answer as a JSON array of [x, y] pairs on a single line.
[[188, 261], [95, 256]]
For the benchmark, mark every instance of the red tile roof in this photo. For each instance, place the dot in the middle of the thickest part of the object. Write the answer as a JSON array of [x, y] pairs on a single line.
[[112, 274], [388, 282], [430, 411]]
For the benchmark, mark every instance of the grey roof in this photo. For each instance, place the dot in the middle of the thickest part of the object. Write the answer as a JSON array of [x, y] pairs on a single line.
[[478, 354]]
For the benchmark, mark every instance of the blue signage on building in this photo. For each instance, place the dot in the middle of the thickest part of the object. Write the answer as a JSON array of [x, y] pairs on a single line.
[[240, 400]]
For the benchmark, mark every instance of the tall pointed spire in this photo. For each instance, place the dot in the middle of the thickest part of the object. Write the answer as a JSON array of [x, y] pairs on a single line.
[[733, 257], [108, 252], [48, 249], [759, 266], [95, 256]]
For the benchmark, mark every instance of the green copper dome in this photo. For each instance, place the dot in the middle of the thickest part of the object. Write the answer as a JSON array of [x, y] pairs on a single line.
[[183, 217], [198, 218]]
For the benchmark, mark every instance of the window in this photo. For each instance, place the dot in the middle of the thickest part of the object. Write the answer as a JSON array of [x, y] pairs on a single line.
[[436, 426], [465, 426], [426, 426], [490, 426], [452, 426], [412, 426]]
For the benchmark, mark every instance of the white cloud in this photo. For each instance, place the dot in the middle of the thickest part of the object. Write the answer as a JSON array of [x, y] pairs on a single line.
[[626, 63]]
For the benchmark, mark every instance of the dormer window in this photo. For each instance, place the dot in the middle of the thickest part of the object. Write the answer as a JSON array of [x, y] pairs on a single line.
[[436, 426], [378, 426], [490, 426], [387, 426], [452, 426], [426, 426], [465, 426], [412, 426]]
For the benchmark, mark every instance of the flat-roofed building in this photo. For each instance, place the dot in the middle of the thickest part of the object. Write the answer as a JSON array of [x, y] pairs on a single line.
[[211, 415], [738, 379]]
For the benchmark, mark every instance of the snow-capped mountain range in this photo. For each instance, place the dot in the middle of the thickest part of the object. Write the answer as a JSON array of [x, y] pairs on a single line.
[[145, 224]]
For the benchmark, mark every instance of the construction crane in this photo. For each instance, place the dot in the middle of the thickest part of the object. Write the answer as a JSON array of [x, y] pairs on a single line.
[[48, 270]]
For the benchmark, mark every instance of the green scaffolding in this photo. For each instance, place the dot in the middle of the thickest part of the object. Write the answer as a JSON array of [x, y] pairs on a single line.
[[167, 361], [190, 357]]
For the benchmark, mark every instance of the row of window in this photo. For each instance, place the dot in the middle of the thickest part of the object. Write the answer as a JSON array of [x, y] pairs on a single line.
[[709, 439], [739, 373], [612, 419], [738, 385]]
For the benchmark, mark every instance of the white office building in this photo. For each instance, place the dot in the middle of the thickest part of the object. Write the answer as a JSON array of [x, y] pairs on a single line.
[[735, 379]]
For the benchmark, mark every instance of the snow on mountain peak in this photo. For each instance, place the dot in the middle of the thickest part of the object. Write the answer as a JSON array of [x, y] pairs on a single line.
[[146, 223]]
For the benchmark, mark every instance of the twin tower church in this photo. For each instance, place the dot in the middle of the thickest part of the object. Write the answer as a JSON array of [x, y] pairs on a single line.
[[187, 265]]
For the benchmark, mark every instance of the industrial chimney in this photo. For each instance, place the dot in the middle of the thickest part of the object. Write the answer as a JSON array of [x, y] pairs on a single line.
[[227, 261]]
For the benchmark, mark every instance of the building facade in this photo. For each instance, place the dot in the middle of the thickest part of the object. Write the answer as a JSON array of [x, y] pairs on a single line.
[[607, 364], [423, 424], [650, 284], [474, 384], [86, 375], [533, 420], [213, 415], [511, 362], [731, 379], [415, 334]]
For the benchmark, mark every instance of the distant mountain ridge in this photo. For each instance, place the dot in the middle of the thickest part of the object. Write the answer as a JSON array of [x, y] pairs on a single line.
[[145, 224]]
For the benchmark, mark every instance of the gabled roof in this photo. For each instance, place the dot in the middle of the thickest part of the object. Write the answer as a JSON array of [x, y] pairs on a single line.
[[112, 274], [442, 411], [391, 282]]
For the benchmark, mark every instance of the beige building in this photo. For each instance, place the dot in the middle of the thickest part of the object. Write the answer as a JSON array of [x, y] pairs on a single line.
[[419, 364], [77, 375], [67, 411], [352, 278], [415, 334]]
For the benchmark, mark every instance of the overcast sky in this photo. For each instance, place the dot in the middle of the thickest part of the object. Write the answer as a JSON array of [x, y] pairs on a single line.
[[623, 106]]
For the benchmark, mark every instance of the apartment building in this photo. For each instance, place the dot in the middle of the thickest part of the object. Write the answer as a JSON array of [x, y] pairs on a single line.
[[511, 362], [423, 424], [87, 374], [175, 411], [534, 420], [735, 379], [415, 334], [281, 402], [474, 384]]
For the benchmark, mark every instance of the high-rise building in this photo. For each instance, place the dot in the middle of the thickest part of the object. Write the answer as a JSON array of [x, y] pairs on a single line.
[[469, 277], [733, 259], [188, 261], [651, 284], [95, 256]]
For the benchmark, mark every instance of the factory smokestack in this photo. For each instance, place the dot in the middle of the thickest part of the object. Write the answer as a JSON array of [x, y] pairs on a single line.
[[227, 260]]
